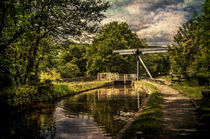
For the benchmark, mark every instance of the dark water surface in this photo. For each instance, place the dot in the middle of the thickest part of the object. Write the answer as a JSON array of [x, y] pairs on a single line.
[[95, 114]]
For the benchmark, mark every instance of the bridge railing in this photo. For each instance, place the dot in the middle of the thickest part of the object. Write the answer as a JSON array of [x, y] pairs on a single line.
[[116, 77]]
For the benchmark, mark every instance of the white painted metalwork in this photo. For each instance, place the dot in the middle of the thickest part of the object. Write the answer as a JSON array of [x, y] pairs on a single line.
[[138, 51]]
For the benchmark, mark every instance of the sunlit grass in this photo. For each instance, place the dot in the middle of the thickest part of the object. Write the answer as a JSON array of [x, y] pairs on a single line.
[[189, 91], [73, 87], [147, 85]]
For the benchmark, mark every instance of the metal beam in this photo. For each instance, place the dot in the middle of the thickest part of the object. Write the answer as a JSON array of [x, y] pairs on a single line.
[[124, 51], [151, 52], [137, 69], [152, 49], [140, 50], [145, 67]]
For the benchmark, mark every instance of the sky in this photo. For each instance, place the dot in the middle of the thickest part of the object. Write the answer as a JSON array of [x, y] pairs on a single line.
[[156, 20]]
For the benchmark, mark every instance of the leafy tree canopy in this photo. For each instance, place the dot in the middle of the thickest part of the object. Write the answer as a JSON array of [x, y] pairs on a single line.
[[189, 54], [25, 24], [75, 54], [113, 36], [59, 18]]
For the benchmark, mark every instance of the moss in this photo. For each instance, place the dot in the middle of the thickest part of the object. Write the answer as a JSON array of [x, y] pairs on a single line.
[[149, 121]]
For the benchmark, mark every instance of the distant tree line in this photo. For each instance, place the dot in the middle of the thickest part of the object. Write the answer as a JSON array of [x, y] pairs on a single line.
[[90, 59]]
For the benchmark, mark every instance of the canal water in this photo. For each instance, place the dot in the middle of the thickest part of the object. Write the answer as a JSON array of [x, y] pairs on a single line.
[[94, 114]]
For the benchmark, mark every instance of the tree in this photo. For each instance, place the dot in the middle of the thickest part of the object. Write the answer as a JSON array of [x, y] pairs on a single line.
[[189, 55], [69, 70], [113, 36], [25, 23], [59, 18], [157, 64], [75, 54]]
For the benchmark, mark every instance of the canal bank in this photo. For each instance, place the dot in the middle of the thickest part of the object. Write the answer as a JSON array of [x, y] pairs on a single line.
[[25, 96], [99, 113], [148, 120], [174, 116]]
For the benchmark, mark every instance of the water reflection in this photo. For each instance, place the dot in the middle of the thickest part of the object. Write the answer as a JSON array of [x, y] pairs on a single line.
[[94, 114]]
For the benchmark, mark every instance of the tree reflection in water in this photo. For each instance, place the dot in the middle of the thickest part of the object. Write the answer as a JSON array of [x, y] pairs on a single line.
[[95, 114]]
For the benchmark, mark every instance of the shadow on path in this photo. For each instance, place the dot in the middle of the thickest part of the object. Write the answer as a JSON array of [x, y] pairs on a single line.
[[180, 118]]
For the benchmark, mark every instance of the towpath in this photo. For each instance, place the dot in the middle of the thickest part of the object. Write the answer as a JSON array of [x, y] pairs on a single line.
[[180, 119]]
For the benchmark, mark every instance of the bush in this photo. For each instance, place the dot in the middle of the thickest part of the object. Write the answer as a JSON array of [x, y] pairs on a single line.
[[69, 70], [21, 95]]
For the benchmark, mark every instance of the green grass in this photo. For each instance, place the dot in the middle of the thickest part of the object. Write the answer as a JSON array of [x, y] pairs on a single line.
[[149, 121], [65, 88], [189, 91], [152, 88]]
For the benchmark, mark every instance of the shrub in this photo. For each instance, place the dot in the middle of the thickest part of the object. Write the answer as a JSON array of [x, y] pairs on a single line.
[[69, 70], [22, 95]]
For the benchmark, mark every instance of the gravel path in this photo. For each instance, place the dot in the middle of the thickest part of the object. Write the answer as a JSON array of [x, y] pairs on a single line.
[[180, 119]]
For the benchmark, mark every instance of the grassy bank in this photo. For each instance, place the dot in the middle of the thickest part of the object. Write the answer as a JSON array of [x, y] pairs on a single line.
[[62, 89], [149, 121], [189, 91], [45, 91]]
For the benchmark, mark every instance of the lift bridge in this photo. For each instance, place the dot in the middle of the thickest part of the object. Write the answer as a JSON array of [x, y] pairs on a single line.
[[138, 52]]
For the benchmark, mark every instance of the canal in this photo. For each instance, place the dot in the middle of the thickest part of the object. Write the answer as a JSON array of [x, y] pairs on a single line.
[[94, 114]]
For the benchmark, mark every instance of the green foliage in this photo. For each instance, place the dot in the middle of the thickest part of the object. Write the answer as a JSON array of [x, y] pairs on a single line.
[[74, 54], [28, 32], [61, 90], [45, 91], [69, 70], [158, 64], [189, 55], [112, 36], [57, 18], [21, 95]]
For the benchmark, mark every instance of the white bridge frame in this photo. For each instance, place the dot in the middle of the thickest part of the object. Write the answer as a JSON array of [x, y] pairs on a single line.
[[138, 52]]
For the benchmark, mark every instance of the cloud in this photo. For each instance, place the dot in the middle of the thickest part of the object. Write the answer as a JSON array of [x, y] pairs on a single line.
[[155, 20]]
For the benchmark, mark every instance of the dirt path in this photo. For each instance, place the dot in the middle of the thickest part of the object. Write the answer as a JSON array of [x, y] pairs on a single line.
[[180, 119]]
